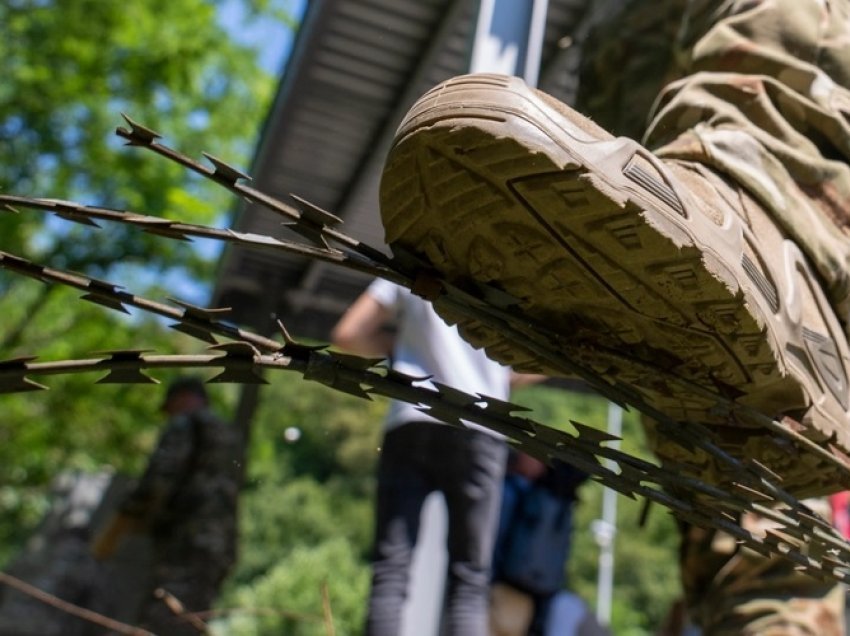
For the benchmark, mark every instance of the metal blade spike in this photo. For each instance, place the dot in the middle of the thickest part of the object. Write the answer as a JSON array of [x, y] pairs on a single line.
[[760, 548], [78, 218], [588, 433], [495, 406], [195, 331], [19, 384], [314, 214], [404, 378], [105, 302], [10, 261], [58, 205], [255, 239], [455, 396], [127, 376], [352, 388], [444, 415], [203, 313], [12, 376], [238, 375], [224, 172], [16, 363], [355, 362], [163, 229], [97, 285], [293, 348], [312, 234], [237, 350], [763, 470], [752, 492], [123, 355], [138, 135]]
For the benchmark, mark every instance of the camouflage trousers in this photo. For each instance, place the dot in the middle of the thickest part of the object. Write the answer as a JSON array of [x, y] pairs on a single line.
[[730, 590], [758, 91]]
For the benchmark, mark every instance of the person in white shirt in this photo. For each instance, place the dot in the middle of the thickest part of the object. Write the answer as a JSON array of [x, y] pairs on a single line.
[[421, 455]]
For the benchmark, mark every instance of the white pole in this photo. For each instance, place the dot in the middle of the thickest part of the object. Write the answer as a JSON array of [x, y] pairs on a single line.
[[509, 38], [605, 529], [536, 33]]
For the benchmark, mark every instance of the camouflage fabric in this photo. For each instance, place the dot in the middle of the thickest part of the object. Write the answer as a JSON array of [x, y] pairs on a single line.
[[187, 496], [190, 481], [763, 98], [758, 91], [730, 590]]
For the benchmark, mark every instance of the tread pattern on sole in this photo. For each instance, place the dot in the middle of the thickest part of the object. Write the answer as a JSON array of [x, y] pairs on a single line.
[[632, 293], [599, 268]]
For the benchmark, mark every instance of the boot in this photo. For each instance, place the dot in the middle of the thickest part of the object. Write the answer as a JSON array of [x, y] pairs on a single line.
[[661, 275]]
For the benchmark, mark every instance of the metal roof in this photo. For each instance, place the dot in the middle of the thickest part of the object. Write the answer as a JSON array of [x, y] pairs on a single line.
[[355, 69]]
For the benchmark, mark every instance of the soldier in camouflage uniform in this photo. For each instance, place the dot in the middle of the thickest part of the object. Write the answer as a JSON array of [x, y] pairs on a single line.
[[631, 55], [186, 499], [745, 104]]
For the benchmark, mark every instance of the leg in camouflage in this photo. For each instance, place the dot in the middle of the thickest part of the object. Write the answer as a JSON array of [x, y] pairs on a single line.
[[764, 102], [657, 272], [731, 591], [686, 262]]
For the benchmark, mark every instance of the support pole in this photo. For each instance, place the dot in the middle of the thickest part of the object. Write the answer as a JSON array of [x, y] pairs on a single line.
[[509, 38], [605, 529]]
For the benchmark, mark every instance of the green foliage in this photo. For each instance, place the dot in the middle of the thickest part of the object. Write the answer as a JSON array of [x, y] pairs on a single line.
[[306, 492], [305, 496], [70, 68], [292, 591], [304, 513], [340, 434], [77, 424]]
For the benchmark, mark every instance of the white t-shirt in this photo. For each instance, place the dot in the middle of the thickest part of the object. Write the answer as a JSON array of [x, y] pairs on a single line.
[[426, 346]]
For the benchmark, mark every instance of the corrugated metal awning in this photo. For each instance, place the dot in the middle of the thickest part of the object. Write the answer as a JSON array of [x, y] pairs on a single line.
[[356, 67]]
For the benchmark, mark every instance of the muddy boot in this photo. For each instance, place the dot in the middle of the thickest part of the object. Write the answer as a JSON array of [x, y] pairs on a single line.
[[658, 274]]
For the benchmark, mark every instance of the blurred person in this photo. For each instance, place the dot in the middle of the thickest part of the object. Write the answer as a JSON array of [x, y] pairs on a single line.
[[528, 596], [420, 455], [186, 501]]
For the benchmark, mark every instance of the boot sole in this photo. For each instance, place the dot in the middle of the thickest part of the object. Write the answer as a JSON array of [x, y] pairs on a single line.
[[592, 235]]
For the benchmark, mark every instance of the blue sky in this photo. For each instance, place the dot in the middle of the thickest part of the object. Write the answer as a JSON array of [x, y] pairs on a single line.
[[273, 39]]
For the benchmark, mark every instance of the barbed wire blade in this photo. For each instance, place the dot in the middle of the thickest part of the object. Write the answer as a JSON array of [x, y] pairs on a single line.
[[224, 172], [238, 362], [314, 214], [13, 376], [197, 321], [129, 372], [138, 135], [326, 368]]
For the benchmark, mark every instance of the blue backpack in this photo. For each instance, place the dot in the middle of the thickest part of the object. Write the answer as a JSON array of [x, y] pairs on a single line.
[[534, 541]]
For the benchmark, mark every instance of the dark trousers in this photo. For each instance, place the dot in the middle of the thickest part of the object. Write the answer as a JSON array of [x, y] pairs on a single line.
[[467, 467]]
